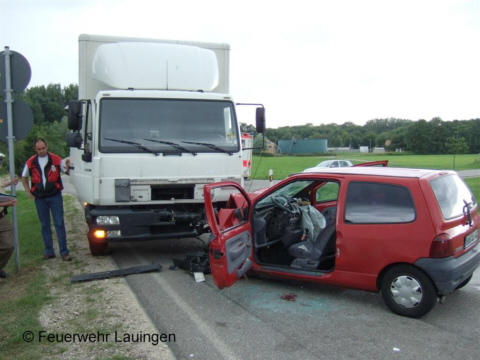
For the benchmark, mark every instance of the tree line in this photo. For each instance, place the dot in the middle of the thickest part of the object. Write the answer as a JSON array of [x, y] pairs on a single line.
[[49, 121], [436, 136], [420, 137]]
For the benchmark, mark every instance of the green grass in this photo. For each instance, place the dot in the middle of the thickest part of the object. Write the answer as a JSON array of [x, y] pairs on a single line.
[[474, 185], [283, 166], [25, 292]]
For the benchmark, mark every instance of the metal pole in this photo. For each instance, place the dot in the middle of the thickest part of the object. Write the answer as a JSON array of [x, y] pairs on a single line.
[[11, 157]]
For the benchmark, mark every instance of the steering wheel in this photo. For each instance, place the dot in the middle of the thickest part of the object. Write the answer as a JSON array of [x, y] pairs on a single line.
[[283, 204]]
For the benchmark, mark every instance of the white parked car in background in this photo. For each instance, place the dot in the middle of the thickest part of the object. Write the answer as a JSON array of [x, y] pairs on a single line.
[[330, 164]]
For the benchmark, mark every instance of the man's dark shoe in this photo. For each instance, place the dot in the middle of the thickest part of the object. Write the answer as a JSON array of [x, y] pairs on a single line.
[[3, 274], [48, 257], [66, 258]]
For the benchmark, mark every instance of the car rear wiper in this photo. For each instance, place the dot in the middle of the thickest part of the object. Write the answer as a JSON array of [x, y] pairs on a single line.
[[211, 146], [176, 146], [466, 211], [140, 146]]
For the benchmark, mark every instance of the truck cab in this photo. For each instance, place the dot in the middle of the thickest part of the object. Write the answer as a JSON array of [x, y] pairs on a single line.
[[149, 131]]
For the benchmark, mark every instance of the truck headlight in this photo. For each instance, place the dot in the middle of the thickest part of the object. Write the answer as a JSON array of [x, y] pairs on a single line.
[[108, 220]]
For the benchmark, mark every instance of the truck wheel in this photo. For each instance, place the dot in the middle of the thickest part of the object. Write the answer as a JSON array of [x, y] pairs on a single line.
[[98, 248], [409, 292]]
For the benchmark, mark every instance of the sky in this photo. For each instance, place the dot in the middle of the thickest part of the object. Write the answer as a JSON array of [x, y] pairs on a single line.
[[307, 61]]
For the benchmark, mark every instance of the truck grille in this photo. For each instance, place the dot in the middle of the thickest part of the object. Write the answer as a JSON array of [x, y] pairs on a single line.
[[178, 192]]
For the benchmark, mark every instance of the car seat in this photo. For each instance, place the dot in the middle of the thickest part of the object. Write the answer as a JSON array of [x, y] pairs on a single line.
[[308, 255]]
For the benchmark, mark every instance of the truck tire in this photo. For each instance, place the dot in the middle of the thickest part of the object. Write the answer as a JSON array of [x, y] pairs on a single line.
[[408, 291], [98, 249]]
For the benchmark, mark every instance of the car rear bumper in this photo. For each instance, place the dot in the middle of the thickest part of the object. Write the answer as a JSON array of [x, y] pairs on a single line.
[[450, 272]]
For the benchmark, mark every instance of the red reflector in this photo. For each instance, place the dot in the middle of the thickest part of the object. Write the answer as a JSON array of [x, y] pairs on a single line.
[[442, 246]]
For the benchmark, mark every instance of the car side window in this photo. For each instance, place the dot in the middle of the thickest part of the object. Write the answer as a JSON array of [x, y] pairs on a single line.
[[377, 203], [327, 192], [334, 164]]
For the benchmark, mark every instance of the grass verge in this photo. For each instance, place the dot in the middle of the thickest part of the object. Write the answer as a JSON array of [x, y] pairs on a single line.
[[40, 299], [23, 292]]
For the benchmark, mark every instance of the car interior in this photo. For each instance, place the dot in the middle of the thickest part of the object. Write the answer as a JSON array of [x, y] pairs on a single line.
[[282, 234]]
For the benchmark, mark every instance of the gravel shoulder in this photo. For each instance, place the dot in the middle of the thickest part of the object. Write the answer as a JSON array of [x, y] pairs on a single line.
[[106, 310]]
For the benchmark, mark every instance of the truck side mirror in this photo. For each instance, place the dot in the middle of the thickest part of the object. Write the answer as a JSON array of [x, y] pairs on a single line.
[[74, 139], [75, 113], [260, 119]]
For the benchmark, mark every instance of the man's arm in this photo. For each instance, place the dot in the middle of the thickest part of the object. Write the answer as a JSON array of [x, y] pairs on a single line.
[[8, 203], [26, 186], [66, 166]]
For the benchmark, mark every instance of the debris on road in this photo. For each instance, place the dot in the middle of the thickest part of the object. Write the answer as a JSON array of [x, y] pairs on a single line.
[[114, 273], [194, 263]]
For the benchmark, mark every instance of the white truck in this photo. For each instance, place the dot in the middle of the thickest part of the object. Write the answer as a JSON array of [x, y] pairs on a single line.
[[153, 124]]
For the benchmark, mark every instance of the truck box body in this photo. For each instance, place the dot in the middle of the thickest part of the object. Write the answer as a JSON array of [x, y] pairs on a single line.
[[88, 87], [157, 124]]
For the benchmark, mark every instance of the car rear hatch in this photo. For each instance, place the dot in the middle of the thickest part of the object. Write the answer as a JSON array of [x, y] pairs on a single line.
[[457, 220]]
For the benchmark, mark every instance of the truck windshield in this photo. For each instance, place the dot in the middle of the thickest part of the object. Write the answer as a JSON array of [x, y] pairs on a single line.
[[162, 124]]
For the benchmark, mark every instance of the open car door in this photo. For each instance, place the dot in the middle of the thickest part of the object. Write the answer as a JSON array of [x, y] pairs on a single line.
[[381, 163], [230, 250]]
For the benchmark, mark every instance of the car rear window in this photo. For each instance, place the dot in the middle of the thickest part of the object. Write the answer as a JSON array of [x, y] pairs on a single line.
[[376, 203], [452, 194]]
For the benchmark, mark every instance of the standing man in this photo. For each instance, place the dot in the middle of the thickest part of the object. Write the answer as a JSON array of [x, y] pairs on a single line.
[[6, 228], [46, 188]]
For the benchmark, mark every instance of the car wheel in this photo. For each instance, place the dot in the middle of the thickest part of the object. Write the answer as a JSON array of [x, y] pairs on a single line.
[[465, 282], [408, 291]]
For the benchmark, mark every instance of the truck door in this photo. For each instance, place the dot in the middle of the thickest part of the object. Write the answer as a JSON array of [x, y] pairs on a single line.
[[227, 208]]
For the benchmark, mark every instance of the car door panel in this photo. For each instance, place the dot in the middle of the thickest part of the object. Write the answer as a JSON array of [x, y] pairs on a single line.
[[230, 248]]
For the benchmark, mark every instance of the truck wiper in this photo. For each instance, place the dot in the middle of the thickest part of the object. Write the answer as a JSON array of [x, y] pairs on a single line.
[[211, 146], [176, 146], [140, 146]]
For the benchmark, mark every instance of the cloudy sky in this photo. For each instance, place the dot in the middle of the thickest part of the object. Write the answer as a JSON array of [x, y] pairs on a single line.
[[306, 61]]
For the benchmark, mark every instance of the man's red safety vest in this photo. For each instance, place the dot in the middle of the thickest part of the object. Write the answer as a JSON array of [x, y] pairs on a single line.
[[52, 172]]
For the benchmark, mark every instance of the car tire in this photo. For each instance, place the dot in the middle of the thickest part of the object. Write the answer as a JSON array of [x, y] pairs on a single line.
[[465, 282], [408, 291]]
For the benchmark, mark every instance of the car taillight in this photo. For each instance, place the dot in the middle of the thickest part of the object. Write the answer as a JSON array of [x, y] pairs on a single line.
[[442, 246]]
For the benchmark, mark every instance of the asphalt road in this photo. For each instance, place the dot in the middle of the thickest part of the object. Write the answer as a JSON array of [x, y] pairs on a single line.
[[252, 319]]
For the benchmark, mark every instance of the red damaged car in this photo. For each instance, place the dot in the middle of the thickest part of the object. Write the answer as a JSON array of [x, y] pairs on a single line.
[[411, 234]]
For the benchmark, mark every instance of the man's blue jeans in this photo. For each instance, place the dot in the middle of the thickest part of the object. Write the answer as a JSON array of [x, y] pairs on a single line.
[[53, 204]]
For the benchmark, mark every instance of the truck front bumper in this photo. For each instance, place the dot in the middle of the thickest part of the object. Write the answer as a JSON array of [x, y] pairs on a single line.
[[140, 224]]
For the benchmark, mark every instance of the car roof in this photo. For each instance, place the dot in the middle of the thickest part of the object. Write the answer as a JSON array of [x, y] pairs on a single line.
[[326, 162], [380, 171]]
